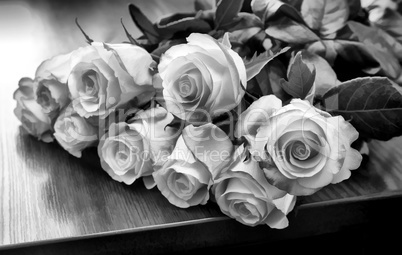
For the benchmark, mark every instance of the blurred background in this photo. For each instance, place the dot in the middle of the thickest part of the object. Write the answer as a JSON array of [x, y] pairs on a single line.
[[32, 31]]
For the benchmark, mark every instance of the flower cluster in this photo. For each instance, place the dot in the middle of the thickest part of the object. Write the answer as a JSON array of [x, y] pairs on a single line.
[[203, 109]]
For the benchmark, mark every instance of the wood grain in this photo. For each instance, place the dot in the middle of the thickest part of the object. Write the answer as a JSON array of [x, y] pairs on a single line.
[[46, 194]]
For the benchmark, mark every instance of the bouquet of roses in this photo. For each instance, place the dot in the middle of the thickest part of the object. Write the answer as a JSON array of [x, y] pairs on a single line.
[[247, 104]]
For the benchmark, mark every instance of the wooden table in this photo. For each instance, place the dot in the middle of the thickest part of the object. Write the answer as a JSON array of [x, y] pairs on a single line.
[[51, 202]]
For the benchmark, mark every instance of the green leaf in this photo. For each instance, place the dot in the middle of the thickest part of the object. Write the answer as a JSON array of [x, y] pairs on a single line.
[[325, 16], [372, 104], [144, 24], [256, 63], [183, 23], [226, 11], [290, 31], [301, 78]]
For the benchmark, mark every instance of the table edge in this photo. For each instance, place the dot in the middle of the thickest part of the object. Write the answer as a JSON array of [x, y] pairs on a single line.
[[366, 198]]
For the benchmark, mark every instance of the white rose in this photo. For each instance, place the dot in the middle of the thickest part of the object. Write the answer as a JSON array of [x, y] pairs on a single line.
[[73, 132], [200, 154], [30, 113], [201, 78], [50, 84], [132, 150], [300, 148], [108, 76], [243, 193]]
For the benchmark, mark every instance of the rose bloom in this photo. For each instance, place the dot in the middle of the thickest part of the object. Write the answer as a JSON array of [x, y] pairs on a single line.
[[199, 155], [201, 78], [300, 148], [132, 150], [50, 84], [109, 76], [73, 132], [243, 193], [30, 113]]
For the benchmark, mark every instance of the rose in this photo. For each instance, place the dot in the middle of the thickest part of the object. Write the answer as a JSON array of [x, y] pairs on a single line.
[[243, 193], [50, 88], [200, 77], [132, 150], [73, 132], [300, 148], [109, 76], [200, 154], [30, 113], [40, 100]]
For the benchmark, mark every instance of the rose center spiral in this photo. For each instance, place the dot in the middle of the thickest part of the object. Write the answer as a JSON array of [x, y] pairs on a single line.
[[89, 80], [44, 98]]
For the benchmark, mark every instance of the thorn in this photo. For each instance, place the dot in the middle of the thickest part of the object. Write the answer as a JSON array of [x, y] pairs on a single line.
[[89, 40], [129, 36]]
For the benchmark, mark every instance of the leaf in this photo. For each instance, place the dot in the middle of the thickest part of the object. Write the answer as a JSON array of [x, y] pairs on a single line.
[[181, 22], [290, 12], [370, 45], [289, 31], [311, 94], [395, 45], [325, 49], [267, 81], [144, 24], [226, 11], [89, 40], [204, 5], [391, 22], [165, 45], [355, 8], [389, 26], [129, 36], [372, 104], [325, 77], [243, 20], [325, 16], [301, 78], [256, 63], [272, 10]]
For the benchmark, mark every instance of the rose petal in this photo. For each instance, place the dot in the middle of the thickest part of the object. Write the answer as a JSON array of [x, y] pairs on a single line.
[[319, 180], [352, 161], [136, 60], [149, 182], [292, 186], [277, 219], [210, 145], [57, 67], [256, 115]]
